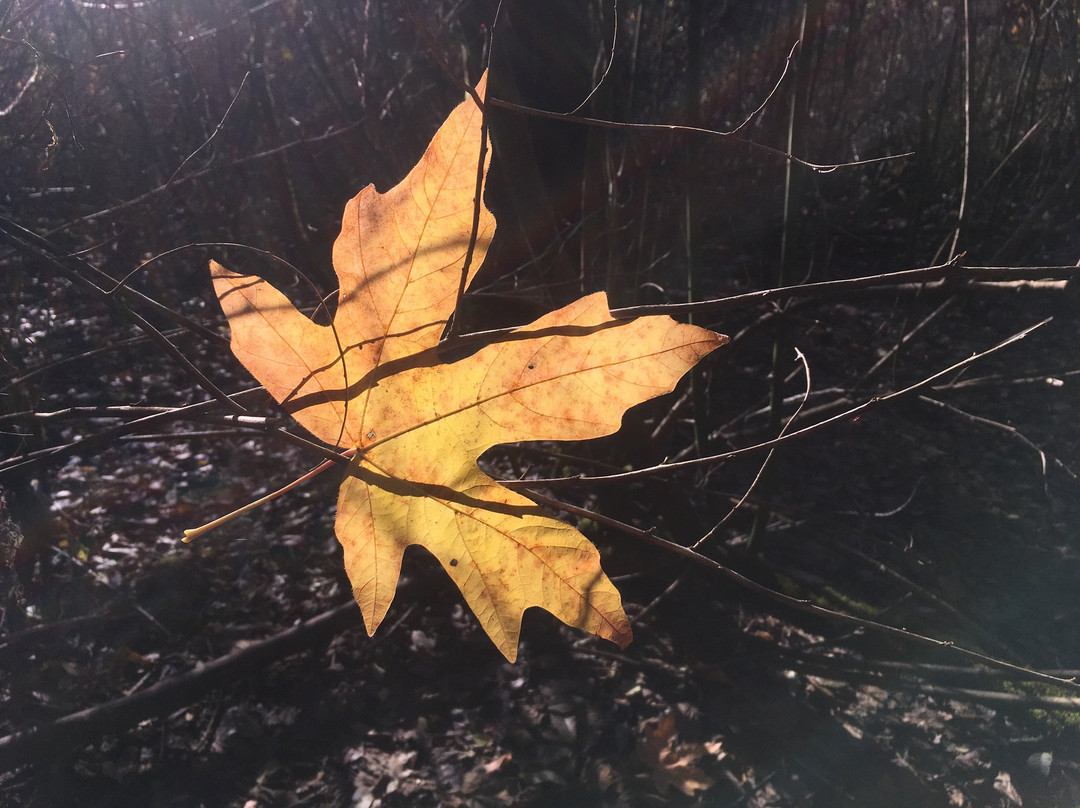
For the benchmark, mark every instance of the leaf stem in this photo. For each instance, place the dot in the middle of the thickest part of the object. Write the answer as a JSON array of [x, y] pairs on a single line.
[[194, 533]]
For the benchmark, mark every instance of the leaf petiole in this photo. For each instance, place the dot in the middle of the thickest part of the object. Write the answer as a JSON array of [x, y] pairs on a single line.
[[194, 533]]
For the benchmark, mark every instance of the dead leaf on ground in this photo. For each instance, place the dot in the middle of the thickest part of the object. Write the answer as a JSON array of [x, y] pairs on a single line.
[[1004, 786], [671, 764]]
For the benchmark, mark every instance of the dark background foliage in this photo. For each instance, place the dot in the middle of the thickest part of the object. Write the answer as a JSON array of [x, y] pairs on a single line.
[[140, 139]]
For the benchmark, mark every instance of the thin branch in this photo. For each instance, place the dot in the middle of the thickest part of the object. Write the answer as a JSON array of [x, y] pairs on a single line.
[[776, 87], [82, 356], [671, 128], [1012, 151], [967, 130], [950, 275], [1010, 430], [768, 457], [53, 454], [572, 117], [916, 676], [906, 338], [436, 54], [807, 606], [951, 272], [989, 641], [478, 205], [172, 184], [77, 271], [217, 130], [791, 436], [610, 61]]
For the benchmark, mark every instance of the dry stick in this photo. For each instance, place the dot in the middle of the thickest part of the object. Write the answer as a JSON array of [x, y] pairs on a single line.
[[119, 411], [77, 729], [1053, 376], [798, 111], [478, 203], [572, 117], [244, 425], [800, 604], [821, 168], [436, 54], [637, 618], [289, 437], [999, 379], [141, 338], [477, 200], [123, 282], [941, 674], [1023, 701], [797, 434], [772, 92], [83, 355], [39, 247], [186, 436], [910, 280], [692, 213], [1012, 151]]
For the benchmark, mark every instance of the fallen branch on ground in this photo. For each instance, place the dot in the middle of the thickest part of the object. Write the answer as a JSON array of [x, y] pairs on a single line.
[[78, 729]]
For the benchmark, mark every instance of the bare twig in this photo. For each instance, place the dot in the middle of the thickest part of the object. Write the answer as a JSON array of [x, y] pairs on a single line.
[[573, 117], [967, 130], [908, 336], [1020, 672], [89, 276], [797, 434], [1010, 430], [52, 454], [202, 173], [821, 168], [768, 457], [610, 60]]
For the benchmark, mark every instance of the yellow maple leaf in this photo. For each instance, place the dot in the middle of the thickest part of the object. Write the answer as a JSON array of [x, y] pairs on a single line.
[[372, 382]]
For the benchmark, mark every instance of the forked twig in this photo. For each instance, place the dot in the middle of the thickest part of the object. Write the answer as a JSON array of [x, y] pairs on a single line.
[[765, 463]]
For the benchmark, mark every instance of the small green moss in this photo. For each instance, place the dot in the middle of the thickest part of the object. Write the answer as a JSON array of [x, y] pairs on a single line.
[[1055, 721], [832, 599]]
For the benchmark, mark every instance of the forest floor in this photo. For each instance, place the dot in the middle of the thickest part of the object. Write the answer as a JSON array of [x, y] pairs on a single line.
[[916, 517]]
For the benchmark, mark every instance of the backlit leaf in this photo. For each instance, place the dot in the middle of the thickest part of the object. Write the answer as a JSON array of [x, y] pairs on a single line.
[[374, 382]]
